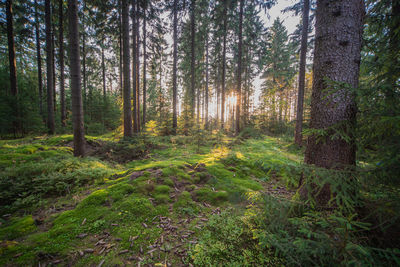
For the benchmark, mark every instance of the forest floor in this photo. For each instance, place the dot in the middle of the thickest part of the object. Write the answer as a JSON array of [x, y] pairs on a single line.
[[148, 201]]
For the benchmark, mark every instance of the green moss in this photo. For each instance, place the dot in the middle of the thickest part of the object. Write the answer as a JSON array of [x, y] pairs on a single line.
[[98, 197], [208, 195], [168, 181], [162, 198], [136, 206], [162, 189], [17, 228], [120, 190]]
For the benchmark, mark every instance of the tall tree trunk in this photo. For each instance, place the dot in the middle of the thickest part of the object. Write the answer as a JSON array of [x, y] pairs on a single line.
[[12, 63], [126, 67], [224, 64], [53, 54], [120, 47], [206, 89], [75, 69], [103, 68], [239, 71], [192, 61], [144, 66], [174, 69], [85, 98], [134, 62], [39, 60], [138, 65], [11, 48], [298, 137], [62, 88], [338, 35], [49, 67]]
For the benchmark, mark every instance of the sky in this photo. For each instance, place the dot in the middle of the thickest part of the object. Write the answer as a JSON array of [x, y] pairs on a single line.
[[289, 21]]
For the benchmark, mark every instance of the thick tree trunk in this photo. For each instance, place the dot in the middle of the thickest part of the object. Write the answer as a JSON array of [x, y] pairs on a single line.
[[298, 137], [62, 87], [138, 65], [144, 67], [134, 67], [39, 60], [224, 64], [120, 47], [49, 67], [174, 68], [338, 36], [239, 71], [75, 70], [53, 55], [11, 48], [126, 67]]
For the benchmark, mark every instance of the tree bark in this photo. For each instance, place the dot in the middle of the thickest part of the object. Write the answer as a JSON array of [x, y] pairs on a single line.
[[62, 88], [11, 48], [206, 89], [239, 71], [39, 60], [192, 62], [120, 47], [49, 67], [75, 69], [134, 62], [126, 67], [103, 68], [138, 66], [174, 68], [144, 66], [298, 136], [338, 36], [224, 65]]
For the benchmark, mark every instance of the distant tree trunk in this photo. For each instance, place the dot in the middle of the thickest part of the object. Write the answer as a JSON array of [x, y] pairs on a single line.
[[126, 67], [338, 35], [62, 88], [120, 47], [75, 70], [174, 68], [239, 74], [206, 89], [39, 60], [49, 67], [224, 65], [53, 55], [298, 136], [192, 61], [134, 62], [85, 100], [144, 66], [12, 62], [103, 68], [138, 65]]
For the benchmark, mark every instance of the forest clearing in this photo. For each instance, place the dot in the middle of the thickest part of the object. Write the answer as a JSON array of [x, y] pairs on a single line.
[[199, 133]]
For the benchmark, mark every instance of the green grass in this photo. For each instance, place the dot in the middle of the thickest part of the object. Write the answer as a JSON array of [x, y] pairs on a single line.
[[89, 197]]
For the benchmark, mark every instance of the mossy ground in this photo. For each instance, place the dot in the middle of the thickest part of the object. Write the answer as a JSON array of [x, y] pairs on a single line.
[[61, 210]]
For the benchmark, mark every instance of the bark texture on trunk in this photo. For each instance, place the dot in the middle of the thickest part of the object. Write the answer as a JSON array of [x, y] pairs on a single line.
[[39, 60], [174, 68], [75, 70], [103, 68], [49, 67], [239, 71], [138, 66], [192, 62], [206, 89], [11, 48], [126, 67], [134, 67], [298, 137], [62, 87], [144, 67], [336, 60], [224, 65]]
